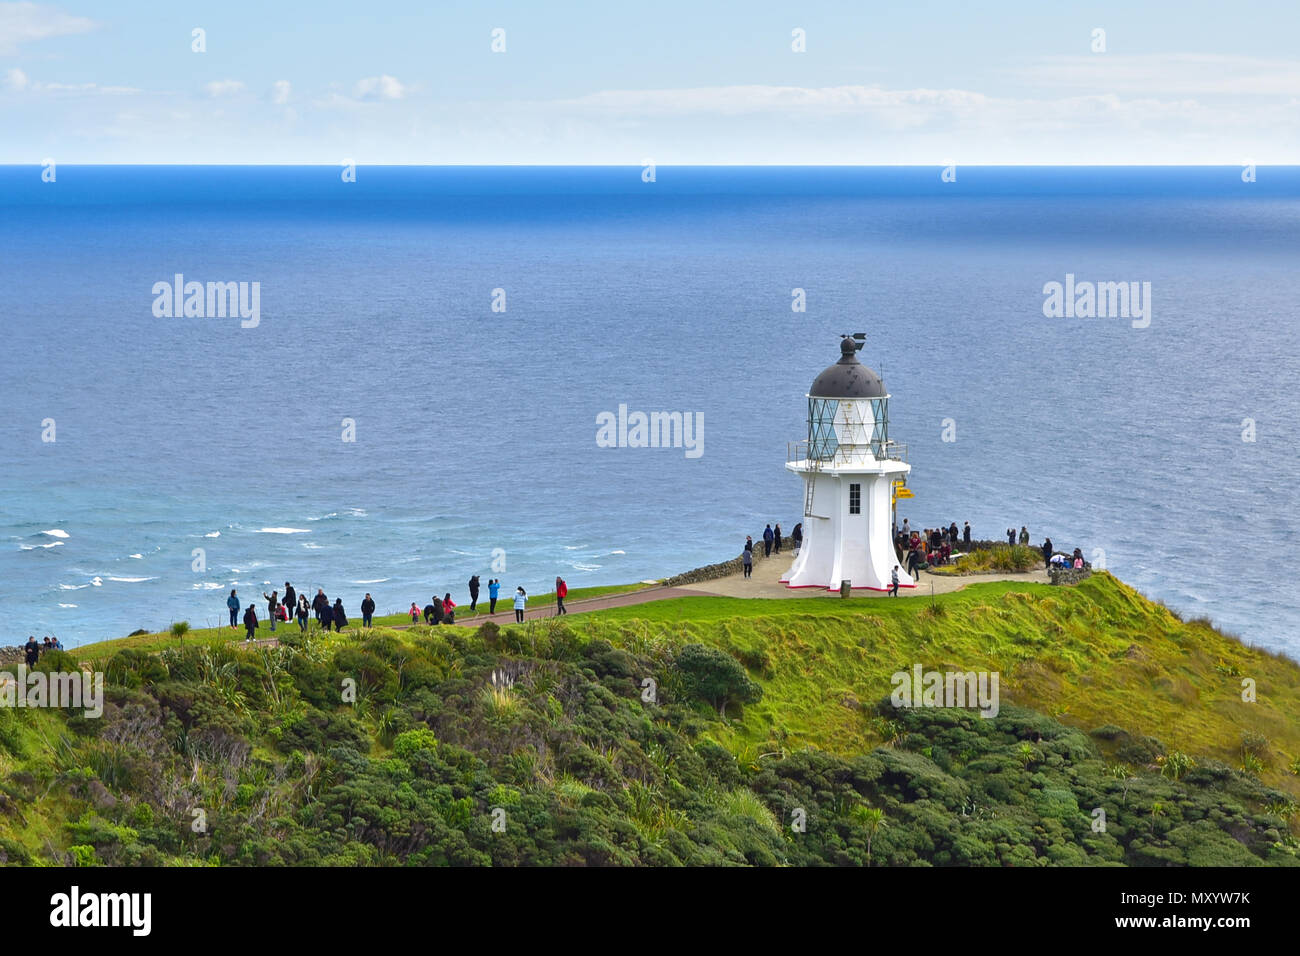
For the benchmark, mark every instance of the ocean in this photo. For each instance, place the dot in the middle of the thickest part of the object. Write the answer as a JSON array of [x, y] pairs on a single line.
[[418, 396]]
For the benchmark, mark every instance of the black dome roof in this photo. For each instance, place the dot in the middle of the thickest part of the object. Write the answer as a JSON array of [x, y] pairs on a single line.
[[848, 378]]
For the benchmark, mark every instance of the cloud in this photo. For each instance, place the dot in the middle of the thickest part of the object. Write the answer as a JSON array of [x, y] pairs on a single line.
[[17, 81], [760, 99], [280, 91], [223, 88], [1181, 74], [380, 88], [26, 22]]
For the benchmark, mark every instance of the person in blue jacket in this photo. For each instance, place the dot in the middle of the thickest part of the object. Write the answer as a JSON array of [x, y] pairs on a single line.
[[767, 541], [232, 602], [494, 589]]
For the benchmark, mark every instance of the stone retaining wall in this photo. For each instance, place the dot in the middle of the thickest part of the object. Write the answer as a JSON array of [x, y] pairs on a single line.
[[711, 572], [1068, 575]]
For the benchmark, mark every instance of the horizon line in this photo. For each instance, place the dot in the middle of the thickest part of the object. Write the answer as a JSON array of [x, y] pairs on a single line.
[[657, 165]]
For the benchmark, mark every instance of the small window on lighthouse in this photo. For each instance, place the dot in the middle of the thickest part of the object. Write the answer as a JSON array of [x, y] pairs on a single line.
[[855, 499]]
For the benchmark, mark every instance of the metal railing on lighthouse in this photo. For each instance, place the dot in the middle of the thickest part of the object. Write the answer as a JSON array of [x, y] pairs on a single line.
[[799, 452]]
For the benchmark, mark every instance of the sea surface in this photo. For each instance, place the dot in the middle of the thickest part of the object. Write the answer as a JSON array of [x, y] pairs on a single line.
[[192, 455]]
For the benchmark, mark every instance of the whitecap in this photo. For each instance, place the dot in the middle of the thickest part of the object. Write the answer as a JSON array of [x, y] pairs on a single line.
[[131, 580], [207, 586], [312, 545], [56, 533], [67, 605], [72, 587], [33, 547], [372, 581], [618, 552], [136, 556], [213, 534], [282, 531], [579, 566], [97, 581]]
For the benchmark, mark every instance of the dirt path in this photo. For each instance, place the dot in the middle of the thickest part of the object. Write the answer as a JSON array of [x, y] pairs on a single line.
[[466, 618], [764, 583]]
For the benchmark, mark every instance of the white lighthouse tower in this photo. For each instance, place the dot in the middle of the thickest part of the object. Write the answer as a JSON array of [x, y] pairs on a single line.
[[849, 468]]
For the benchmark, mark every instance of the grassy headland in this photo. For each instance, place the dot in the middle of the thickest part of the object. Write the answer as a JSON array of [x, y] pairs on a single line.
[[694, 730]]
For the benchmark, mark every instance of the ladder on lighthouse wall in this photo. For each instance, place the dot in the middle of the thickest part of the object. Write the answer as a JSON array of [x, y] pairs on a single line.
[[808, 496]]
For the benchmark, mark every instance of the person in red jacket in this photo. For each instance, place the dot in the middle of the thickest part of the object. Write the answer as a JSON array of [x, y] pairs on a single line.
[[561, 591]]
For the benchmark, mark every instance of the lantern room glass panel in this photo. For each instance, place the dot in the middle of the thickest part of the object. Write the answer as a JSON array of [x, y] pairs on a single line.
[[880, 426], [822, 442]]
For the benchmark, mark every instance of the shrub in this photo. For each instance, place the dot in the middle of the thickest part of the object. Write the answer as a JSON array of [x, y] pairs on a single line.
[[500, 703], [743, 802], [82, 854], [715, 677], [411, 742], [1176, 765]]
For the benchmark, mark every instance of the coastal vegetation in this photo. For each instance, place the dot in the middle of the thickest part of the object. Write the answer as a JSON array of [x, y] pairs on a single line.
[[1016, 557], [698, 730]]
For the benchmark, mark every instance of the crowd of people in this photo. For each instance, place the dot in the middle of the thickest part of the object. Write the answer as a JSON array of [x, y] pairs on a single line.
[[929, 547], [935, 547], [440, 610], [33, 649]]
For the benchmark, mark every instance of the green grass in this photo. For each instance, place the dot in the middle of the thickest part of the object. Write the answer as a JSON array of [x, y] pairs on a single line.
[[1094, 654]]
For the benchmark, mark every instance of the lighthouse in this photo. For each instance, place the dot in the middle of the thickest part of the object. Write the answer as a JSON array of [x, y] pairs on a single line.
[[850, 469]]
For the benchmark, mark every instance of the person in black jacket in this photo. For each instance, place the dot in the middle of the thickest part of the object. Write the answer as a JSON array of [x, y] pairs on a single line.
[[776, 539], [33, 651], [319, 604], [438, 612], [965, 535], [473, 592], [272, 605], [340, 617], [367, 610], [1047, 553], [326, 616], [290, 597], [250, 622]]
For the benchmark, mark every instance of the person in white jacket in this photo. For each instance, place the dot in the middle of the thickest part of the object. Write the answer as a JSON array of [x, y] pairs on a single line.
[[521, 602]]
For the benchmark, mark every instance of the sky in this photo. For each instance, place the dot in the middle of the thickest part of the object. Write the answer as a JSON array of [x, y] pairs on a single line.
[[675, 83]]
